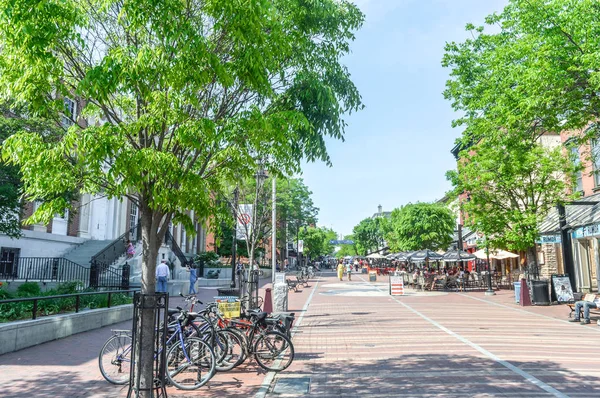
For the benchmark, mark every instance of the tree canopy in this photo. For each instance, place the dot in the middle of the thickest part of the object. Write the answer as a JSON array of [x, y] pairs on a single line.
[[418, 226], [368, 235], [535, 69], [511, 187], [181, 96], [316, 241], [533, 72]]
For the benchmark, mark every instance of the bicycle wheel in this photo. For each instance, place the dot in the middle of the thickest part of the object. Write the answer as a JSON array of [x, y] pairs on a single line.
[[273, 351], [245, 344], [232, 347], [191, 366], [114, 359]]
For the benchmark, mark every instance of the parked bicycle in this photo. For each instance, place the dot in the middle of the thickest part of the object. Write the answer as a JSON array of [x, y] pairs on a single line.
[[190, 361]]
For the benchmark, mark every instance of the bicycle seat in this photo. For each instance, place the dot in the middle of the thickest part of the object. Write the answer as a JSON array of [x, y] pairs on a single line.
[[172, 311], [260, 315]]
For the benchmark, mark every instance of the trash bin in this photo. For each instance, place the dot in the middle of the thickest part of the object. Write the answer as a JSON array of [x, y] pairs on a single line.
[[540, 293], [372, 276], [517, 286]]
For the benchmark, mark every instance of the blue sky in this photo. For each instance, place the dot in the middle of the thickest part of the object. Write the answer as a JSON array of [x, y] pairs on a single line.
[[397, 149]]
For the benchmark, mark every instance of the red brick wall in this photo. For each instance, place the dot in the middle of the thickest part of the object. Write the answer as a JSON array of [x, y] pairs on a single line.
[[587, 177]]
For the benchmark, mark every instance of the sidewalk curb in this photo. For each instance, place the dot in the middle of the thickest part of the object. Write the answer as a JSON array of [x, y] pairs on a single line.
[[266, 384]]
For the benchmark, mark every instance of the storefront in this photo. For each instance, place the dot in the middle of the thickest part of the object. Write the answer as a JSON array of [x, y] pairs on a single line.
[[586, 245], [550, 257]]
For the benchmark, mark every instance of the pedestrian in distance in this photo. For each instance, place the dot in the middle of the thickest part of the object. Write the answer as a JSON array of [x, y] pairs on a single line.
[[162, 275], [349, 271], [193, 278], [340, 270], [130, 250]]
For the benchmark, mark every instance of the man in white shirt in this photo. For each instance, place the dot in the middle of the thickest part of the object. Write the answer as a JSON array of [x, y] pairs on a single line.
[[162, 275]]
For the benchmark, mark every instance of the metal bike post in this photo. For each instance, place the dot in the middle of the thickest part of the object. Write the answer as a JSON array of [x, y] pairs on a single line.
[[158, 303]]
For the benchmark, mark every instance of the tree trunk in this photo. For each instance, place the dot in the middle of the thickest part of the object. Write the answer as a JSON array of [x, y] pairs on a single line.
[[144, 349]]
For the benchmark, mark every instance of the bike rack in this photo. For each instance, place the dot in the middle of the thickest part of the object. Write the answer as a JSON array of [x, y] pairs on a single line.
[[158, 303]]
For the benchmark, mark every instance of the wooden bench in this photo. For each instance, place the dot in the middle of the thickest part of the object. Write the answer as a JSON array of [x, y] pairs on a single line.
[[301, 281], [590, 298], [292, 284]]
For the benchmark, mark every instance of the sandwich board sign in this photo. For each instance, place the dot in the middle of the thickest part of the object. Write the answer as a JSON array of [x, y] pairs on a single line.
[[396, 286]]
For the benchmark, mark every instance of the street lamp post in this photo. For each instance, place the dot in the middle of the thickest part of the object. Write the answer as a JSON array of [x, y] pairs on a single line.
[[234, 239], [489, 291]]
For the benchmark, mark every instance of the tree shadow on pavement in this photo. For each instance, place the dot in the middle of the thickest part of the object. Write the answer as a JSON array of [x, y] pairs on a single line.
[[60, 384], [441, 375]]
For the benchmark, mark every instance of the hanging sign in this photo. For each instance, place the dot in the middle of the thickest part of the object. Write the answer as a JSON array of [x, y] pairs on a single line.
[[587, 231], [396, 286], [545, 239], [244, 222], [300, 246]]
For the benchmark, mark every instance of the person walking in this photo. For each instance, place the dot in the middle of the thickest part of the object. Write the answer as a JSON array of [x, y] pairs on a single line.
[[162, 275], [349, 270], [193, 278], [340, 270]]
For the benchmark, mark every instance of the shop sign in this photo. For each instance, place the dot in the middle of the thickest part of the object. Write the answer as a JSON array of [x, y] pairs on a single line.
[[548, 239], [587, 231]]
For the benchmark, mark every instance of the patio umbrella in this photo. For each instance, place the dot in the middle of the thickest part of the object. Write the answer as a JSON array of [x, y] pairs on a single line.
[[495, 254], [404, 256], [375, 255], [503, 254], [458, 255], [424, 255]]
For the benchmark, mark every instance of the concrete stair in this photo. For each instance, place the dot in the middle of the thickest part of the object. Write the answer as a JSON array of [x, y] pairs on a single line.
[[83, 253]]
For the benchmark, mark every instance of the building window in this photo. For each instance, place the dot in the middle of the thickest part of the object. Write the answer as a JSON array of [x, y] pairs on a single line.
[[595, 144], [133, 216], [70, 112], [577, 162]]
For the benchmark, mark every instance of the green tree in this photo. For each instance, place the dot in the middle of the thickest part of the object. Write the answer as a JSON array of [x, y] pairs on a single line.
[[535, 74], [418, 226], [512, 185], [368, 235], [11, 185], [10, 188], [316, 241], [182, 96]]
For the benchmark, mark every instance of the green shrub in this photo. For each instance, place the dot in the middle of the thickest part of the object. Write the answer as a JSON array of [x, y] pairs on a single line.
[[68, 288], [29, 289], [4, 295]]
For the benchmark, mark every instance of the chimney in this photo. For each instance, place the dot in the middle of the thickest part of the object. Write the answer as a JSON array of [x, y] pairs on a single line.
[[380, 209]]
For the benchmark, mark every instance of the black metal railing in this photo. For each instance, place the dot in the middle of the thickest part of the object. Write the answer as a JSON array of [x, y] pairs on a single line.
[[170, 242], [109, 277], [77, 296], [43, 269], [104, 258]]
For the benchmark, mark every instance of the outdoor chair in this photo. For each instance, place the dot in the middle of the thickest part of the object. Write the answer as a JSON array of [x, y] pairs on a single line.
[[451, 283]]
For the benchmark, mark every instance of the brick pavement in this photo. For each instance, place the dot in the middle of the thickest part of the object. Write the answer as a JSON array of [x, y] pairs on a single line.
[[355, 340]]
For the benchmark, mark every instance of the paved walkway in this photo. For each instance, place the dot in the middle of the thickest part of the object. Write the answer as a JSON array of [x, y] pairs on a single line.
[[355, 340]]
